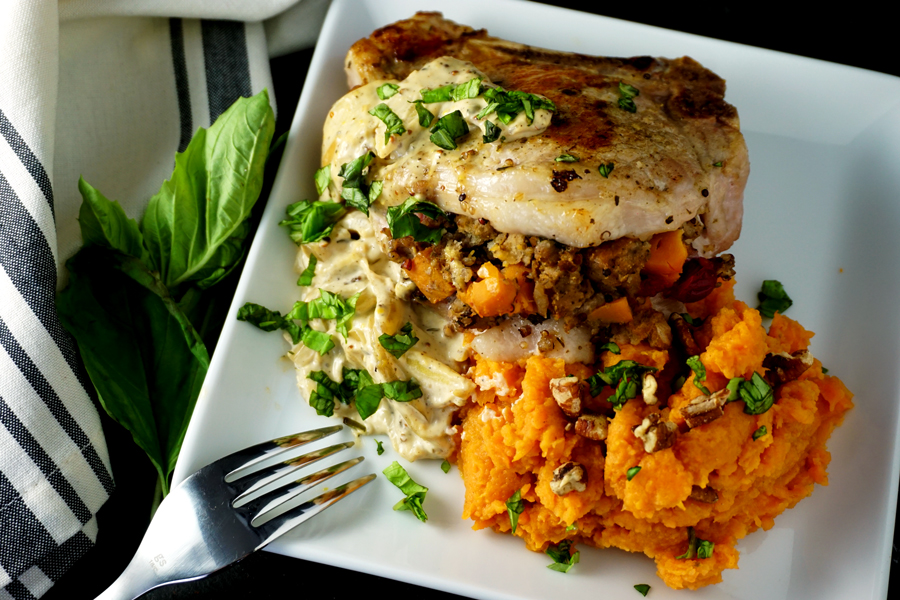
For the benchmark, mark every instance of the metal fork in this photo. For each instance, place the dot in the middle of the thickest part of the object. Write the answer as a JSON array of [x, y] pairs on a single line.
[[207, 522]]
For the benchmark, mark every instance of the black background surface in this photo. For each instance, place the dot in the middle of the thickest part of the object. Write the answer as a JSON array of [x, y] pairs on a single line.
[[852, 36]]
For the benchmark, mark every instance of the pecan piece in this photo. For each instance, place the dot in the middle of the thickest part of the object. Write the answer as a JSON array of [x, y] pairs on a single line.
[[593, 427], [657, 435], [784, 367], [648, 389], [705, 409], [685, 336], [706, 495], [568, 477], [568, 392]]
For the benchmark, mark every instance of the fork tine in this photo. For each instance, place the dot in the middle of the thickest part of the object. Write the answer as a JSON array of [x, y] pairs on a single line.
[[272, 500], [249, 485], [299, 514], [243, 461]]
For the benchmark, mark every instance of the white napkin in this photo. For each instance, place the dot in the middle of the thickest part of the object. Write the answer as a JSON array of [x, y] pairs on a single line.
[[108, 90]]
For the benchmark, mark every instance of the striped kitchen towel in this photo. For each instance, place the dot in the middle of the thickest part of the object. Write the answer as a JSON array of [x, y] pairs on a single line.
[[107, 89]]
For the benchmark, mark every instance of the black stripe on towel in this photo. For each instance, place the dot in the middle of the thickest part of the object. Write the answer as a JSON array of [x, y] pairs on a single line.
[[23, 539], [51, 399], [32, 164], [227, 65], [26, 257], [179, 64]]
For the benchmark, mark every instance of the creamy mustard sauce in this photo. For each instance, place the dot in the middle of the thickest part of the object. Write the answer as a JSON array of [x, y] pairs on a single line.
[[352, 261]]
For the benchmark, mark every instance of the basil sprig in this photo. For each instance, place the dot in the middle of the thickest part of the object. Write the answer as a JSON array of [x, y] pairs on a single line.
[[773, 298], [625, 376], [400, 342], [563, 559], [415, 493], [402, 220]]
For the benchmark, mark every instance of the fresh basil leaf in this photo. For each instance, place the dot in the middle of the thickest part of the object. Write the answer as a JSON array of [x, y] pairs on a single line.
[[566, 158], [627, 104], [514, 507], [441, 94], [563, 559], [143, 356], [353, 381], [375, 191], [606, 169], [387, 90], [402, 220], [758, 396], [402, 391], [352, 172], [445, 466], [415, 493], [318, 341], [508, 104], [448, 129], [773, 298], [309, 272], [104, 223], [717, 164], [380, 448], [491, 132], [333, 387], [348, 311], [393, 124], [759, 433], [734, 389], [425, 115], [705, 549], [322, 398], [632, 472], [571, 527], [642, 589], [215, 183], [312, 221], [354, 189], [400, 342], [699, 373], [323, 179]]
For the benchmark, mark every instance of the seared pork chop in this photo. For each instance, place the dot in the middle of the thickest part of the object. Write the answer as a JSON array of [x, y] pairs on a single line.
[[678, 158]]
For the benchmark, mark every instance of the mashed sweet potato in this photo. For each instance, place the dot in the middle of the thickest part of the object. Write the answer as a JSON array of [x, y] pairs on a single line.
[[515, 435]]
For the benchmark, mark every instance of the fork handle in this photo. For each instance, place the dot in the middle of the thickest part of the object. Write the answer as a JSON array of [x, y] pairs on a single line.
[[137, 579]]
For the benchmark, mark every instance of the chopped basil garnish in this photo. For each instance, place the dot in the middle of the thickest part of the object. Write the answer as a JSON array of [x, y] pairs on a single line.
[[571, 527], [354, 190], [450, 92], [630, 473], [357, 387], [400, 342], [611, 347], [319, 341], [312, 221], [642, 588], [625, 376], [379, 447], [693, 321], [696, 547], [491, 132], [367, 399], [606, 169], [309, 272], [514, 507], [566, 158], [393, 124], [717, 164], [425, 115], [734, 388], [563, 559], [415, 493], [268, 320], [508, 105], [758, 396], [678, 383], [323, 178], [773, 298], [441, 94], [448, 129], [445, 466], [824, 371], [403, 220], [699, 373], [402, 391], [626, 95], [705, 549], [759, 433], [387, 90], [327, 306]]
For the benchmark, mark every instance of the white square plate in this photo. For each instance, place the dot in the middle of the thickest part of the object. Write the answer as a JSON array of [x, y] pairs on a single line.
[[822, 215]]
